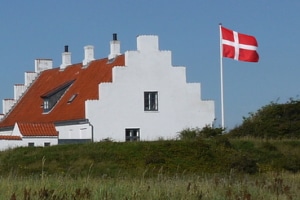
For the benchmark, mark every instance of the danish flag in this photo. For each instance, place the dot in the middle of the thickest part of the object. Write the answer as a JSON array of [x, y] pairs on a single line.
[[239, 46]]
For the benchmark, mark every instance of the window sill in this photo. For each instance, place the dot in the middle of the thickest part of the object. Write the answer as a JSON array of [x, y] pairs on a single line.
[[151, 111]]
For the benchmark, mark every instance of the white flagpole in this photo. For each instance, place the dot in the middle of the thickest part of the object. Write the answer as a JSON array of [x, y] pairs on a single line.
[[221, 72]]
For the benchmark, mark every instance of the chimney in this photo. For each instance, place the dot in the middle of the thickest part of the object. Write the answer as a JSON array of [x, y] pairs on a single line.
[[88, 55], [66, 58], [115, 37], [114, 47]]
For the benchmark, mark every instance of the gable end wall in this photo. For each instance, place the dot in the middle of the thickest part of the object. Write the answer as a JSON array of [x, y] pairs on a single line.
[[121, 103]]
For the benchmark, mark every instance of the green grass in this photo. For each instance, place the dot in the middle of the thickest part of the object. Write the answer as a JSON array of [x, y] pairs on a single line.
[[217, 155], [158, 186], [216, 168]]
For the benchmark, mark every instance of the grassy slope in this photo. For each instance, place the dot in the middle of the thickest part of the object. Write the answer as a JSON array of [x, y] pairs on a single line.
[[109, 159]]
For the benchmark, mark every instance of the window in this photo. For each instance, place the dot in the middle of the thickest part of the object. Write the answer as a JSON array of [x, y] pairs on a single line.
[[151, 101], [47, 144], [31, 144], [46, 104], [72, 98], [53, 96], [132, 134]]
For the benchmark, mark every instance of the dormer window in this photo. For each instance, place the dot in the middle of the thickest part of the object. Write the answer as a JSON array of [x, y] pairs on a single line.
[[52, 97], [46, 104]]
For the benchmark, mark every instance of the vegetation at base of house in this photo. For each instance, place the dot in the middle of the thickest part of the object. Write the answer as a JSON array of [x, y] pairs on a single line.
[[196, 133], [260, 159], [219, 154]]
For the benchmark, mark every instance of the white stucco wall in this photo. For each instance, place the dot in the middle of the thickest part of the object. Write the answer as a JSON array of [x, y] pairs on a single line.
[[121, 103], [19, 89], [10, 144], [43, 64], [76, 131], [6, 132], [29, 77], [7, 104], [38, 142]]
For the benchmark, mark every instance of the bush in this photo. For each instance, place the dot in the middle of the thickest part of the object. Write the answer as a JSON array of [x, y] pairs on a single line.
[[269, 147], [272, 121], [188, 134], [223, 141], [244, 164], [291, 164], [196, 133], [208, 132]]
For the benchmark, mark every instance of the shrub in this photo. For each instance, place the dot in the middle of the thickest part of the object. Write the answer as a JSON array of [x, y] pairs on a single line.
[[272, 121], [291, 164], [268, 146], [244, 164], [209, 131], [223, 141], [194, 133], [188, 134]]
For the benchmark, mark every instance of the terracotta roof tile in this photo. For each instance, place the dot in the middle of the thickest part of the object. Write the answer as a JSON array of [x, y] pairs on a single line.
[[37, 129], [85, 86], [10, 137]]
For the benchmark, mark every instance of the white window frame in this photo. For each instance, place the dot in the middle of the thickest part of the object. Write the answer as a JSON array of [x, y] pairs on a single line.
[[46, 104], [150, 101], [132, 134], [31, 144], [47, 144]]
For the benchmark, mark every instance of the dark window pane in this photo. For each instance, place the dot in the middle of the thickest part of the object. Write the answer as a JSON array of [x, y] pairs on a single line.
[[150, 101], [132, 134]]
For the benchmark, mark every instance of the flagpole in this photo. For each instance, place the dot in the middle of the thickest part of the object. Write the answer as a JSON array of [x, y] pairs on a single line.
[[221, 74]]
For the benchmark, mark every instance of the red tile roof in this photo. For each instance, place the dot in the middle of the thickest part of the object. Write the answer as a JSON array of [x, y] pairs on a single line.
[[85, 86], [10, 137], [37, 129]]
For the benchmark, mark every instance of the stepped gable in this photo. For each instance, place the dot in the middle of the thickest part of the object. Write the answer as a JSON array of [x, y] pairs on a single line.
[[83, 85]]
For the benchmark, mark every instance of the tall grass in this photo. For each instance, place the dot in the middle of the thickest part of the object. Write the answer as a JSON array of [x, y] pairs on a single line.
[[205, 186], [213, 168]]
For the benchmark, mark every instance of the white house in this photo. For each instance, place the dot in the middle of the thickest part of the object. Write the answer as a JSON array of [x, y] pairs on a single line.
[[30, 134], [138, 95]]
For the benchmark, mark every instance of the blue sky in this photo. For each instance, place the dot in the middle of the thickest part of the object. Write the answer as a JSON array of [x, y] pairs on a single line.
[[39, 29]]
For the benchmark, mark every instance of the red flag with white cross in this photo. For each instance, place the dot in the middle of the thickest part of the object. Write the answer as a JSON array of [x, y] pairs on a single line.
[[238, 46]]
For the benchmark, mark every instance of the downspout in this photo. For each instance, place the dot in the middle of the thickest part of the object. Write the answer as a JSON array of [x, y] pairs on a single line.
[[92, 128]]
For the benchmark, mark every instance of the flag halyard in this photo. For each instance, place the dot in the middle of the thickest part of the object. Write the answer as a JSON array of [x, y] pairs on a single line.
[[238, 46]]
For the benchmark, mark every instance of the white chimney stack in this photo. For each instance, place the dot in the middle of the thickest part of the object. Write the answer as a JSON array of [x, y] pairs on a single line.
[[114, 47], [88, 55], [66, 58]]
